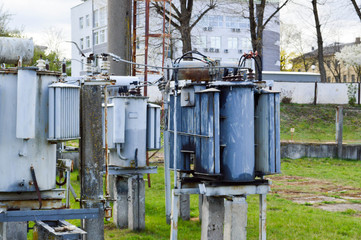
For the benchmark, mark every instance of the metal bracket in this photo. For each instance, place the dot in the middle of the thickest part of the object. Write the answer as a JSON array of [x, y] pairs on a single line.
[[36, 185]]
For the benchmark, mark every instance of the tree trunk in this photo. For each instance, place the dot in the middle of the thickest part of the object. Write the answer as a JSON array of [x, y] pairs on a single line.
[[186, 40], [357, 8], [321, 65]]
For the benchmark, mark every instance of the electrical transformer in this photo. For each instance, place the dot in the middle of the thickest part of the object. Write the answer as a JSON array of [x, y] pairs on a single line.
[[227, 129]]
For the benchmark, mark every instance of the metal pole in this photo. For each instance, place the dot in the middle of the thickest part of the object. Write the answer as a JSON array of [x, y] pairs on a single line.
[[146, 46], [92, 158], [167, 161], [134, 36], [262, 216], [339, 129], [315, 94]]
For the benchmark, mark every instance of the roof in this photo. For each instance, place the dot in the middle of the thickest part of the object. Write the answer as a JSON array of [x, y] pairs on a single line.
[[329, 50]]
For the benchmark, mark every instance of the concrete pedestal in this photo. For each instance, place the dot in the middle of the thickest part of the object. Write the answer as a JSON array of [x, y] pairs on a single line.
[[136, 204], [212, 218], [13, 230], [129, 207], [120, 207], [235, 219]]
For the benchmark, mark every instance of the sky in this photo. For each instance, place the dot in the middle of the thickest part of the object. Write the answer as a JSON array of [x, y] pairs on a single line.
[[35, 18]]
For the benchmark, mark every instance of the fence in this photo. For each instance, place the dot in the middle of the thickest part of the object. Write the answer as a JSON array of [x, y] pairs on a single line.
[[319, 93]]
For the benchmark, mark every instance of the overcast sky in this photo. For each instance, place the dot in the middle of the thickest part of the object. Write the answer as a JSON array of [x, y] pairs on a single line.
[[35, 18]]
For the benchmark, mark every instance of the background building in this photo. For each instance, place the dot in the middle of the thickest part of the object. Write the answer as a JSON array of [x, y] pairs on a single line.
[[221, 34], [336, 71]]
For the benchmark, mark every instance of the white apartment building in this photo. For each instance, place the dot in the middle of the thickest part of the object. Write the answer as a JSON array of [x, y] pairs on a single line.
[[221, 34]]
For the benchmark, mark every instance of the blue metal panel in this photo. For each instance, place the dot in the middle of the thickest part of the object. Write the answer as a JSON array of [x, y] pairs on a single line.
[[277, 133], [237, 132], [267, 131], [208, 135]]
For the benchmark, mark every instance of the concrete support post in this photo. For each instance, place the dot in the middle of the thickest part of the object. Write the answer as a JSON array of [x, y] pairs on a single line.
[[136, 197], [262, 216], [92, 159], [212, 218], [339, 129], [13, 230], [184, 202], [120, 208], [235, 219], [119, 34]]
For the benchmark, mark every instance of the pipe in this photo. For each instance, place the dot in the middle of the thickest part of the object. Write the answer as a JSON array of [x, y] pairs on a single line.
[[106, 141], [119, 154]]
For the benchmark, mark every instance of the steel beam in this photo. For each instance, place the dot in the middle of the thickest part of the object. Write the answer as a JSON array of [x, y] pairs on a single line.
[[50, 215]]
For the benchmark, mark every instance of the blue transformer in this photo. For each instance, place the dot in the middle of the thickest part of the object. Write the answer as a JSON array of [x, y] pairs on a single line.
[[237, 132], [226, 131]]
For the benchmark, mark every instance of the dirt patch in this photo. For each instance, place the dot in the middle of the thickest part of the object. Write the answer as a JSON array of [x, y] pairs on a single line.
[[318, 193], [342, 207]]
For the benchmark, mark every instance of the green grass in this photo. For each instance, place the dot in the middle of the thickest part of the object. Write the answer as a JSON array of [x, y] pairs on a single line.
[[285, 219], [316, 123]]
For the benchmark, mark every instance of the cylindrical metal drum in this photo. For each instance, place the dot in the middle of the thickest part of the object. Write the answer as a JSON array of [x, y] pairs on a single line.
[[24, 111], [13, 48], [237, 132]]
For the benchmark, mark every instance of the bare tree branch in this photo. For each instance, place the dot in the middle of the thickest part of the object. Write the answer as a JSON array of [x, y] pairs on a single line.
[[357, 8], [275, 12], [210, 7]]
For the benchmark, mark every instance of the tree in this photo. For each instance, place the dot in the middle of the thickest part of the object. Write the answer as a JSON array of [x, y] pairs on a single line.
[[320, 57], [357, 8], [351, 57], [5, 18], [292, 41], [181, 18], [258, 24]]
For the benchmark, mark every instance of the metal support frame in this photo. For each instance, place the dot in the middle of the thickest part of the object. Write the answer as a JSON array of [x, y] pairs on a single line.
[[222, 191], [120, 171], [50, 215], [57, 230]]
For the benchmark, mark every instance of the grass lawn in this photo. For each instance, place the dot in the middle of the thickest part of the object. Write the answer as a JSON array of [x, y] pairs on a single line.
[[285, 218], [316, 123]]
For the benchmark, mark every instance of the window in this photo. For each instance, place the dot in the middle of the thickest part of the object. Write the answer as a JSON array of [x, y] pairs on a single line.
[[81, 43], [102, 36], [200, 42], [212, 21], [87, 42], [102, 16], [237, 22], [96, 38], [232, 43], [246, 44], [96, 18], [87, 20], [81, 22], [344, 78], [353, 78], [215, 42]]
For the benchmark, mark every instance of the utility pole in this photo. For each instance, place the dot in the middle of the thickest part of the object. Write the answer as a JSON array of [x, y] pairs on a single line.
[[92, 159], [119, 35]]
